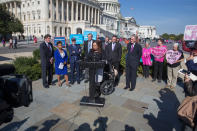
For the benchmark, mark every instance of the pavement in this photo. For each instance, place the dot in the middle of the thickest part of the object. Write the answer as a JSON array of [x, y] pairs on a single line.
[[23, 49], [150, 107]]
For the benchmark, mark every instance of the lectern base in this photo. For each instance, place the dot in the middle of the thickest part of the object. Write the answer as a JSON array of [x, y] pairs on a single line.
[[85, 101]]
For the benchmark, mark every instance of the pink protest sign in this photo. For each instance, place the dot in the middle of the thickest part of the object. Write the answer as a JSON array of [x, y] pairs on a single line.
[[158, 52], [190, 32], [172, 56]]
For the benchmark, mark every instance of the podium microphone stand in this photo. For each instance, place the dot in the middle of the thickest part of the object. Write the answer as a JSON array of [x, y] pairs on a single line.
[[94, 98]]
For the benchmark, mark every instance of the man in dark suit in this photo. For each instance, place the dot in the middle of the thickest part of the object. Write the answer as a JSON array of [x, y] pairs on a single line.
[[74, 56], [46, 54], [113, 53], [132, 62], [87, 47], [105, 43]]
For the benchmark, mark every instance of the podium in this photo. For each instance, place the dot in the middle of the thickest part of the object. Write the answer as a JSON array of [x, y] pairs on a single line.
[[94, 98]]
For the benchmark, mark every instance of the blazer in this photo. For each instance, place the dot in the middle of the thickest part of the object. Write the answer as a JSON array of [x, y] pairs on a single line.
[[113, 56], [85, 47], [59, 59], [46, 54], [104, 45], [133, 58], [74, 56]]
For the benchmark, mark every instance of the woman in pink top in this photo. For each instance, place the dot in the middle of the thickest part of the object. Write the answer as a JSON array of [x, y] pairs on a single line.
[[159, 54], [146, 59]]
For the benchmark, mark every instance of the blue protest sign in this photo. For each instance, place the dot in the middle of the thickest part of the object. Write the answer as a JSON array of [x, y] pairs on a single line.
[[62, 39], [78, 37], [94, 33]]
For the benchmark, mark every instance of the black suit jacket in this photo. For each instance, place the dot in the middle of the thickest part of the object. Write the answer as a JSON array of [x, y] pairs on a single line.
[[85, 47], [113, 56], [46, 54], [133, 58]]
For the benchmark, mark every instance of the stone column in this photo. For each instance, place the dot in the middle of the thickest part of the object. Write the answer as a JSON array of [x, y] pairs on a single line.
[[88, 13], [15, 7], [81, 10], [45, 12], [77, 10], [11, 8], [52, 9], [67, 11], [63, 11], [63, 31], [92, 16], [57, 10], [6, 5], [95, 10], [98, 17], [72, 11], [85, 13]]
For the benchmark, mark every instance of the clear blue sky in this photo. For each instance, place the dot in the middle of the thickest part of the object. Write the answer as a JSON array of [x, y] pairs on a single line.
[[169, 16]]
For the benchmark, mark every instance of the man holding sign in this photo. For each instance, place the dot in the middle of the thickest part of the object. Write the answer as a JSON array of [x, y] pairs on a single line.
[[174, 58]]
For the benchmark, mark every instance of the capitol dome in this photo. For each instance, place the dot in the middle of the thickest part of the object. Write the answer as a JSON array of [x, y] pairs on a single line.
[[110, 6]]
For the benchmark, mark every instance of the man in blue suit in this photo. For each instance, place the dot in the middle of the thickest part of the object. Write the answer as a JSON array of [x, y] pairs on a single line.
[[74, 56]]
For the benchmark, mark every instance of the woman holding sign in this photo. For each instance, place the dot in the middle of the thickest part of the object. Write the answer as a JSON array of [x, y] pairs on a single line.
[[174, 58], [61, 59], [159, 53], [146, 59]]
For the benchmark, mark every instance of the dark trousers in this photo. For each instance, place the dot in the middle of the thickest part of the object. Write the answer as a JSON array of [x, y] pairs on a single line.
[[158, 70], [146, 71], [74, 66], [15, 46], [131, 76], [47, 70]]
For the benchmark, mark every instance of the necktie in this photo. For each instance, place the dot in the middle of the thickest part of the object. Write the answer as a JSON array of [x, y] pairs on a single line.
[[89, 46], [131, 48], [113, 45]]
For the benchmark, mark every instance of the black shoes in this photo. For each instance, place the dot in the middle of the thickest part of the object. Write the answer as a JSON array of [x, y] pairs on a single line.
[[131, 89], [46, 86], [153, 80], [159, 81], [78, 82], [126, 88]]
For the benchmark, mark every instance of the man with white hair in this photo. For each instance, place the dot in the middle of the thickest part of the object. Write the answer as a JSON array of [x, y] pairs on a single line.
[[174, 61]]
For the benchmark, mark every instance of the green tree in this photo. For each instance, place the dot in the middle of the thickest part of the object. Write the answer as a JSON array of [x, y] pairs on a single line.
[[165, 36], [172, 36], [8, 23]]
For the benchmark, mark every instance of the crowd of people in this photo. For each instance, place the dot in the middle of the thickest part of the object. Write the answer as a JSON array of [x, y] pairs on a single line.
[[111, 51], [12, 43]]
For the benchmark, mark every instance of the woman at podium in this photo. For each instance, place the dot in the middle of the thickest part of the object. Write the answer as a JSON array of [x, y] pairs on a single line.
[[95, 55]]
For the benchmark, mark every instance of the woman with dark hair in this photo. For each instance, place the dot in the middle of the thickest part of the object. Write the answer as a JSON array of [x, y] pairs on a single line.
[[95, 51], [159, 53], [61, 59], [96, 54]]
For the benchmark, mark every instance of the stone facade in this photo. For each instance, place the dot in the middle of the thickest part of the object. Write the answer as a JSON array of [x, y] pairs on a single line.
[[65, 17]]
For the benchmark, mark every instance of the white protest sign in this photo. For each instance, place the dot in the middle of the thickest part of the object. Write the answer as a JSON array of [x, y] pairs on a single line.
[[190, 33], [172, 56]]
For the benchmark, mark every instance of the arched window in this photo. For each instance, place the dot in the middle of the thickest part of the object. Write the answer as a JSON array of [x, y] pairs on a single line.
[[79, 31]]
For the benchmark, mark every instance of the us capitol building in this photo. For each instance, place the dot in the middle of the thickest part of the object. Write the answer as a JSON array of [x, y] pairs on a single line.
[[65, 17]]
